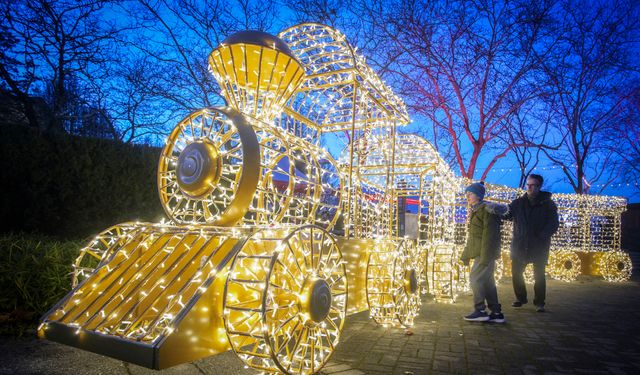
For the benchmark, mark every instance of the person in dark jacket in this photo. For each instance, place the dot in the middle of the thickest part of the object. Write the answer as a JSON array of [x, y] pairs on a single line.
[[483, 246], [535, 220]]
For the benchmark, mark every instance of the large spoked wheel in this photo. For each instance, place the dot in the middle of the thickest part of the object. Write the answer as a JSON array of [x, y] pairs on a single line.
[[285, 300], [276, 187], [393, 283], [209, 169], [407, 295], [100, 249], [564, 265]]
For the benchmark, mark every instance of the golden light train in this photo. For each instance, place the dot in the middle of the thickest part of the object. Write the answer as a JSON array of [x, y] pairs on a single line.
[[271, 242]]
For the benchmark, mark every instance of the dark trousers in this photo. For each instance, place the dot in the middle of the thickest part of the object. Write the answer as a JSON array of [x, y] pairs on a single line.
[[539, 286], [483, 285]]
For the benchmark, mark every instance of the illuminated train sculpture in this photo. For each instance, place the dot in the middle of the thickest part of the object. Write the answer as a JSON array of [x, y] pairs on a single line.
[[271, 242], [251, 259]]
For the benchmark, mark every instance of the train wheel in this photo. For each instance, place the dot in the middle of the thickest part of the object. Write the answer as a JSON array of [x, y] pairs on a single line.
[[615, 266], [286, 300], [393, 283], [209, 169], [564, 265]]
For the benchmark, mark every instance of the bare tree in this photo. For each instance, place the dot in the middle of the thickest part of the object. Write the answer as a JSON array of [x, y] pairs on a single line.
[[527, 131], [464, 65], [134, 66], [592, 58], [328, 12], [55, 40], [624, 138], [11, 66], [132, 97], [176, 37]]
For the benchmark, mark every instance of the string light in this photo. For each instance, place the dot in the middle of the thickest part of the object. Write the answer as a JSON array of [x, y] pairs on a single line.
[[269, 314], [444, 273], [255, 202], [545, 168], [622, 184], [564, 265], [614, 266], [393, 285], [529, 274], [589, 225]]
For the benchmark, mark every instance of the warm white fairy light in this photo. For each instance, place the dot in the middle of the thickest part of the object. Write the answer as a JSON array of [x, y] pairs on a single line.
[[529, 275], [461, 272], [273, 327], [614, 266], [443, 273], [142, 275], [564, 265], [500, 269], [335, 71], [393, 282], [588, 224], [138, 281], [98, 251], [298, 182]]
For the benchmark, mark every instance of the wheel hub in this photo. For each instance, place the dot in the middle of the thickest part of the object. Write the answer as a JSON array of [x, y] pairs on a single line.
[[316, 300], [199, 168], [410, 281]]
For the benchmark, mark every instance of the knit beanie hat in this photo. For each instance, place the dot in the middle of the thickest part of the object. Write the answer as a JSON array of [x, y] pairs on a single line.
[[477, 189]]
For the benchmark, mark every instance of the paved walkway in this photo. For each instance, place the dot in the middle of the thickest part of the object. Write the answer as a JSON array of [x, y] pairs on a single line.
[[590, 326]]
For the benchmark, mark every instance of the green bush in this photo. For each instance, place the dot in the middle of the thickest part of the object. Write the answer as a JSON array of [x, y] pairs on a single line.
[[73, 187], [35, 273]]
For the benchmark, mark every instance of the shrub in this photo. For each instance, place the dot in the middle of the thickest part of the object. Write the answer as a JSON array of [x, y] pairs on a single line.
[[35, 273]]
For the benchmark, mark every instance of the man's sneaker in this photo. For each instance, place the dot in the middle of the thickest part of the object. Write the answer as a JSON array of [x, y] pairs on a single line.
[[496, 318], [540, 308], [518, 304], [477, 316]]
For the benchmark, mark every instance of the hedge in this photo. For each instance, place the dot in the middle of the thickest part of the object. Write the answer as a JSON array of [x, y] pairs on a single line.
[[72, 187]]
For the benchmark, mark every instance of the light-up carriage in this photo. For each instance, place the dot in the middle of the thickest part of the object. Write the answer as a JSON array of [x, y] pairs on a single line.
[[586, 243], [271, 242]]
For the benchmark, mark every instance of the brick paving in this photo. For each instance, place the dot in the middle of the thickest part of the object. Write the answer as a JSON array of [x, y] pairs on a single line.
[[590, 326]]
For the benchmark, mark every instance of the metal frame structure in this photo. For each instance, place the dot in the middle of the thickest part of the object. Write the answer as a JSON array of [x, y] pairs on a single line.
[[251, 259], [271, 242]]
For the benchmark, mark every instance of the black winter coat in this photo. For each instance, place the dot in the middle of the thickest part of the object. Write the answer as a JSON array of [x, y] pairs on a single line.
[[534, 222]]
